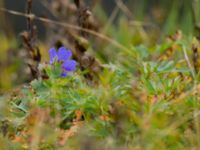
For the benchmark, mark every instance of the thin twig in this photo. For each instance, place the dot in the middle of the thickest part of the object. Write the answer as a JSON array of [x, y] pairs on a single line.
[[111, 19], [188, 62], [67, 25], [124, 8], [28, 11]]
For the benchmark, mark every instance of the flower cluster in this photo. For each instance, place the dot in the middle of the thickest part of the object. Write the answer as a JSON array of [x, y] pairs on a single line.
[[63, 56]]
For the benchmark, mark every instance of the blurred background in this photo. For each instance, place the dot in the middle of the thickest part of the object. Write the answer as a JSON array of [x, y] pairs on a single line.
[[130, 22]]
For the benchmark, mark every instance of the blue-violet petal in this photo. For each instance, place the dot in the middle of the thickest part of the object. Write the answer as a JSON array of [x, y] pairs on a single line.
[[69, 65], [64, 54], [53, 55], [63, 74]]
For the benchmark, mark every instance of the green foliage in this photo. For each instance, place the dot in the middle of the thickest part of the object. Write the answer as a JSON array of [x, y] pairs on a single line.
[[145, 96], [156, 108]]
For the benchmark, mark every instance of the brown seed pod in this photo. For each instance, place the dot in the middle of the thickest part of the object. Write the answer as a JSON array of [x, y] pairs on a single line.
[[196, 55]]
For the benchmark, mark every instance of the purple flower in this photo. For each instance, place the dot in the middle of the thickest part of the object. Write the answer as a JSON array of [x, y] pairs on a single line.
[[63, 56]]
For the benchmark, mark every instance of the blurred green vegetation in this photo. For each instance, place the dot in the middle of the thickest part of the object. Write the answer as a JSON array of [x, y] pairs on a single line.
[[7, 68], [144, 97], [133, 23], [154, 105]]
